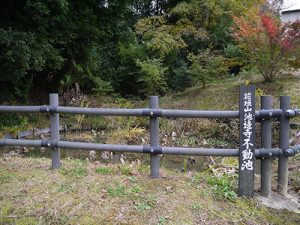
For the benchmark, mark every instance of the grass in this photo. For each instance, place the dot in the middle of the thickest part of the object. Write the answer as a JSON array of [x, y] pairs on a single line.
[[35, 194], [104, 170], [116, 190], [6, 176], [222, 187], [126, 171], [77, 169], [143, 206]]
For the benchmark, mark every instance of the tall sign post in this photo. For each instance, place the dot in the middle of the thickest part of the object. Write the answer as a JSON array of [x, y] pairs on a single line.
[[247, 141]]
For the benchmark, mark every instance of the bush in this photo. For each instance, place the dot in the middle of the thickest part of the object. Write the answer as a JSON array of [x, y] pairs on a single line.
[[207, 66], [152, 76]]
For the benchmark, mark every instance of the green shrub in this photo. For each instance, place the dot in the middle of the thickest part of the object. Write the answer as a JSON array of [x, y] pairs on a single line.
[[13, 123], [152, 76], [207, 66]]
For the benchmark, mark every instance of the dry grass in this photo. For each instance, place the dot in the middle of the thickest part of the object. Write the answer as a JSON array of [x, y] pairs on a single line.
[[79, 193]]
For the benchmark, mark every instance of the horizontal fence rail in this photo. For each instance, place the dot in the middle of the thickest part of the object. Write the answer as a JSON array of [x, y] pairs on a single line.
[[25, 109], [247, 152], [259, 153], [292, 150], [146, 112], [292, 112]]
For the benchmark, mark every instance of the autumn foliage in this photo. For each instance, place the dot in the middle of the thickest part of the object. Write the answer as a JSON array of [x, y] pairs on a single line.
[[269, 43]]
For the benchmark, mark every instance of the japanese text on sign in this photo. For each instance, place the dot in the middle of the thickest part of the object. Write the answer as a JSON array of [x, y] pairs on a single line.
[[247, 154]]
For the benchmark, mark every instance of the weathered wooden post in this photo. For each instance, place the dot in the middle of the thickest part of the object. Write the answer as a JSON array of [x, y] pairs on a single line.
[[266, 142], [284, 138], [54, 128], [154, 138], [247, 141]]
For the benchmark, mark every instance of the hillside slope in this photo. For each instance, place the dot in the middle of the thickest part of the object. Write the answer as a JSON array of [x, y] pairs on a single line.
[[99, 192]]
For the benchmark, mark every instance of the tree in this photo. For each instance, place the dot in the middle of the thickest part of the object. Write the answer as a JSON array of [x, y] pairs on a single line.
[[207, 66], [153, 76], [268, 42], [188, 31], [46, 43], [56, 45]]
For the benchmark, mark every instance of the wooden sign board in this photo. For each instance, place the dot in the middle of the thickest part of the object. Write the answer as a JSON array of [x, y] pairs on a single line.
[[247, 141]]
